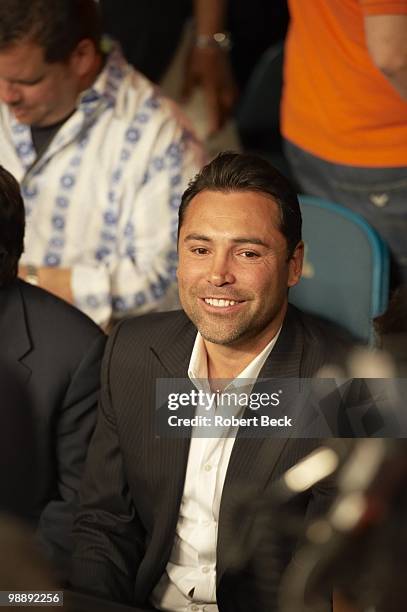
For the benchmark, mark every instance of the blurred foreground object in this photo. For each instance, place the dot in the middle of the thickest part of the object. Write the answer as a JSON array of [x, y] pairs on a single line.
[[392, 330], [357, 547], [360, 545]]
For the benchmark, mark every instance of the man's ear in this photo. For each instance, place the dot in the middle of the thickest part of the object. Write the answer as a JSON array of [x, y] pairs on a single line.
[[295, 265], [83, 58]]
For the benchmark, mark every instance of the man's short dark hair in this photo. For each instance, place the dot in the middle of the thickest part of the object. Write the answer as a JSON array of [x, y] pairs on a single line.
[[55, 25], [230, 172], [12, 224]]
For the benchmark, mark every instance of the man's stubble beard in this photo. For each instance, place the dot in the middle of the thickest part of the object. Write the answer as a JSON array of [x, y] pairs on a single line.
[[216, 333], [229, 332]]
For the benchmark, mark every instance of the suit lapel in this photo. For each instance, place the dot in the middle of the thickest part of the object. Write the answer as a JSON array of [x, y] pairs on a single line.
[[170, 455], [174, 356], [15, 339], [285, 360], [174, 352], [253, 460]]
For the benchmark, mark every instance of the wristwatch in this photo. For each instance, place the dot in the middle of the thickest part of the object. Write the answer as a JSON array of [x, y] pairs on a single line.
[[219, 40], [32, 275]]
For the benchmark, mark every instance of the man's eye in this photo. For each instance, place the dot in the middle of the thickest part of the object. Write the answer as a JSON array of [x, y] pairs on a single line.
[[249, 254], [31, 83], [200, 251]]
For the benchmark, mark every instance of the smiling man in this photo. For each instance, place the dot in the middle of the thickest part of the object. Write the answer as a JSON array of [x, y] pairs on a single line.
[[235, 268], [153, 529]]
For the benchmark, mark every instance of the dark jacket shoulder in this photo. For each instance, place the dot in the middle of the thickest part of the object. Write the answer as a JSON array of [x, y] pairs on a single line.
[[332, 343], [157, 328], [64, 324], [154, 324]]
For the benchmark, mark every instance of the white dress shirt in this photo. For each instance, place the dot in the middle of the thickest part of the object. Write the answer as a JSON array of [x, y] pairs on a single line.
[[189, 583]]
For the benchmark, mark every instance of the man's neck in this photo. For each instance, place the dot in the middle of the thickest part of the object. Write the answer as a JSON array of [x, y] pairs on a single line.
[[225, 362]]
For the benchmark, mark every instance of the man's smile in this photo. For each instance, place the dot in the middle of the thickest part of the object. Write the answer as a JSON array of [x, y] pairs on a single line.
[[212, 304], [220, 303]]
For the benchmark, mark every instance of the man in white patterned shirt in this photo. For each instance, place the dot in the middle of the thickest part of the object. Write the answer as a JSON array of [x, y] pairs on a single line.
[[101, 157]]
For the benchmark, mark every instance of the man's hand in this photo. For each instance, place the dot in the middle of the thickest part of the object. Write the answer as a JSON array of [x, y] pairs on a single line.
[[54, 280], [210, 68], [208, 65], [386, 40], [341, 604]]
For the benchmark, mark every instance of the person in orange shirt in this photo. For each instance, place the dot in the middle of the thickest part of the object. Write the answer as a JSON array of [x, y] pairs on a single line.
[[344, 109]]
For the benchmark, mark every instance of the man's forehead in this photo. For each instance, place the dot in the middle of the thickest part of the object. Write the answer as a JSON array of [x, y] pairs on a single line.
[[251, 217], [24, 51], [249, 207], [234, 196], [23, 63]]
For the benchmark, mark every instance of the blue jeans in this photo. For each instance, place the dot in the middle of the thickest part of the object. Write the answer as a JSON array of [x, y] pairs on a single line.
[[378, 194]]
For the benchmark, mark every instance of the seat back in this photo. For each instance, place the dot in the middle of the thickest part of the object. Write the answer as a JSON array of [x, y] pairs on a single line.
[[346, 268]]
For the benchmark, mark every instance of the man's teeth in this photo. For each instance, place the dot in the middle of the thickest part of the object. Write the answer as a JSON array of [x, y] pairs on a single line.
[[220, 303]]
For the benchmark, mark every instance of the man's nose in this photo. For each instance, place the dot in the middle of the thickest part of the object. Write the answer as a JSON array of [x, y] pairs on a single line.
[[220, 272], [9, 93]]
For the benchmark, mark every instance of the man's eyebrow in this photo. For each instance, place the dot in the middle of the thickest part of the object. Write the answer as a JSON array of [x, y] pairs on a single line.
[[237, 240], [250, 240], [197, 237]]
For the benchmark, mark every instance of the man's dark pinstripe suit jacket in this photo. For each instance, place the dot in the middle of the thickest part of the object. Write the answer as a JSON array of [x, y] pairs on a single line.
[[134, 480]]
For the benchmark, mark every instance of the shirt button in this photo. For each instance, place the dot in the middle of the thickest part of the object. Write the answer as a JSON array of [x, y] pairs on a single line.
[[194, 608], [208, 467], [205, 569]]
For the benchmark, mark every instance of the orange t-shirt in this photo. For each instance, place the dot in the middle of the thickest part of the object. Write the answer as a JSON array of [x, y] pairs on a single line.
[[336, 103]]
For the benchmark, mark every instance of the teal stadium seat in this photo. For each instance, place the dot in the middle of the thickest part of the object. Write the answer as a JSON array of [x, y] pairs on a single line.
[[346, 268]]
